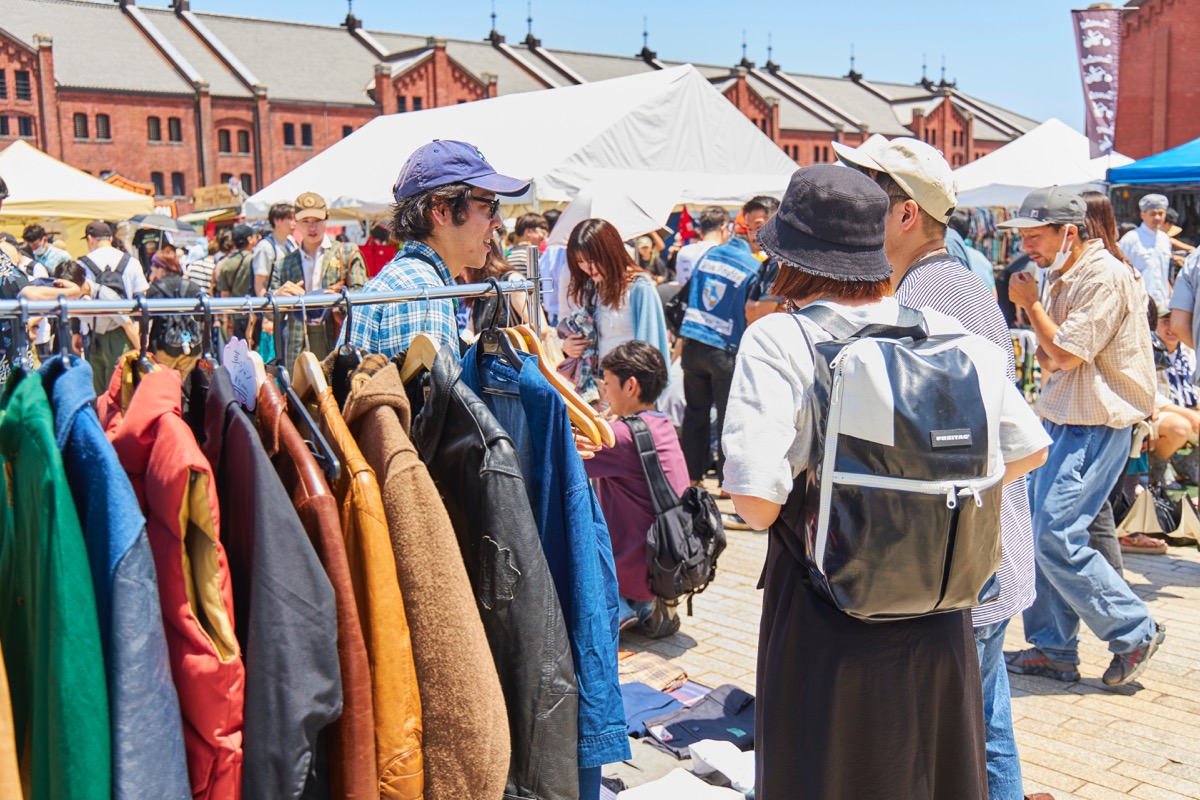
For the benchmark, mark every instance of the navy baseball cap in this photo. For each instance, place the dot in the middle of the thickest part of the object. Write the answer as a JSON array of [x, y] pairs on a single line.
[[444, 161]]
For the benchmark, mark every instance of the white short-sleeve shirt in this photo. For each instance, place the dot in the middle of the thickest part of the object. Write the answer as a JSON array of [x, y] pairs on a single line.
[[768, 423]]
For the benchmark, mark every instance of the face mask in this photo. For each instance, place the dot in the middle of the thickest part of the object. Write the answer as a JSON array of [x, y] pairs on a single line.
[[1060, 257], [41, 251]]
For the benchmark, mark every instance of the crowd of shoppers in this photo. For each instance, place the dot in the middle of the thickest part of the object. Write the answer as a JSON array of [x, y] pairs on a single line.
[[922, 702]]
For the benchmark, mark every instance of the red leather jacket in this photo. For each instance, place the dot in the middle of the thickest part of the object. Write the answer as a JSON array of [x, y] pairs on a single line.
[[175, 488]]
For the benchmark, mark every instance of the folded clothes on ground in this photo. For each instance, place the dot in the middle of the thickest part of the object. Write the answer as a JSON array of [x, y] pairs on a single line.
[[690, 692], [641, 703], [725, 714], [652, 670], [679, 785], [711, 756]]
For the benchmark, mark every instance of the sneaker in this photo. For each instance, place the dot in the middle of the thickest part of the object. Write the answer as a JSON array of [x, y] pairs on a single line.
[[1127, 666], [734, 522], [1034, 662], [662, 621]]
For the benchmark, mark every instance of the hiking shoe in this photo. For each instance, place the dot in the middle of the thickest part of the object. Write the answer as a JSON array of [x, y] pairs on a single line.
[[1034, 662], [734, 522], [1127, 666], [662, 621]]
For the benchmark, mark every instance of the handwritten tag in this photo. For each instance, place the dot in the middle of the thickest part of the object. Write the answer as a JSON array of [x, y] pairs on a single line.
[[236, 358]]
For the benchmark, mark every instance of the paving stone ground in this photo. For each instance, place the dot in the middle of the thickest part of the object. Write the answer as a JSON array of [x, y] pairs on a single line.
[[1082, 741]]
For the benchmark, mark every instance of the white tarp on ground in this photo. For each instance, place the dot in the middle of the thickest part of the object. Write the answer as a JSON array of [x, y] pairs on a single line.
[[666, 132], [1052, 154]]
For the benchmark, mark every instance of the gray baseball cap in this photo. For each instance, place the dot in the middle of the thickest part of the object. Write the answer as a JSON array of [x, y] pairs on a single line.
[[1051, 206]]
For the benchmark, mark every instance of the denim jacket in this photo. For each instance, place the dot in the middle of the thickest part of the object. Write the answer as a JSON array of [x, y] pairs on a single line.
[[574, 538], [147, 733]]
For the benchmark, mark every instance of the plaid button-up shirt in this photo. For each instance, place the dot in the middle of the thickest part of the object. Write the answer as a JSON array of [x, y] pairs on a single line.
[[388, 328], [336, 260], [1100, 309]]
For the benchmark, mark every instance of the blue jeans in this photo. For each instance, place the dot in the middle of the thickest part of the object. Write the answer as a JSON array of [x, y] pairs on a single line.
[[1003, 763], [1074, 582]]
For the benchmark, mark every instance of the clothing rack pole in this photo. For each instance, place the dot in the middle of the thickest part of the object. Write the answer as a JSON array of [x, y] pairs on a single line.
[[243, 305], [535, 295]]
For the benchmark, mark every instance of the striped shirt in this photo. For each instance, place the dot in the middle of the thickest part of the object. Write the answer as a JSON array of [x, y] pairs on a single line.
[[943, 284]]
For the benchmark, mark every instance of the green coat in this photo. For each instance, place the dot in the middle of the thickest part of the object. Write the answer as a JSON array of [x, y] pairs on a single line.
[[48, 624]]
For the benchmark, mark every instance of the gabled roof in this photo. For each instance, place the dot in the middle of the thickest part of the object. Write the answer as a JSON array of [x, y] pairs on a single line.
[[299, 62], [221, 82], [475, 57], [793, 115], [95, 46], [845, 97], [597, 67]]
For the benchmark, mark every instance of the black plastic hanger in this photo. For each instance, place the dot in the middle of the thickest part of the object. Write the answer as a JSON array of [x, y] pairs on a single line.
[[143, 361], [492, 339], [64, 331], [346, 358], [317, 445], [204, 306], [21, 336]]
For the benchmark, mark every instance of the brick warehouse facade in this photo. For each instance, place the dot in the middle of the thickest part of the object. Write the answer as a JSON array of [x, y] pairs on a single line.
[[181, 99], [1158, 101]]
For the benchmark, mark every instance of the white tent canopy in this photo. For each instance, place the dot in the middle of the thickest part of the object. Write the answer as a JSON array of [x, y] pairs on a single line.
[[42, 187], [608, 200], [1052, 154], [667, 132]]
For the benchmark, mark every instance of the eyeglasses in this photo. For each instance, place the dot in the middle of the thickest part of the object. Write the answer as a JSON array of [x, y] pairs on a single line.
[[493, 205]]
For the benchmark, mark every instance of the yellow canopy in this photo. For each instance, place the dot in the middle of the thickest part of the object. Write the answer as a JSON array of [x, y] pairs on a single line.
[[45, 191]]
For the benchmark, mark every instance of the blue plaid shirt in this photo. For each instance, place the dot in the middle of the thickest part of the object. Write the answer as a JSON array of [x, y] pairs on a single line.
[[388, 328]]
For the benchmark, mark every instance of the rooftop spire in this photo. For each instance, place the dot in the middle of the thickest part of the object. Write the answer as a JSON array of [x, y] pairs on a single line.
[[770, 65], [853, 74], [530, 41], [647, 54], [743, 44], [493, 15]]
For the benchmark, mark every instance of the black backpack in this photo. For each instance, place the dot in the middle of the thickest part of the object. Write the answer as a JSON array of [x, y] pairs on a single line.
[[177, 334], [111, 278], [687, 537], [675, 308], [901, 512]]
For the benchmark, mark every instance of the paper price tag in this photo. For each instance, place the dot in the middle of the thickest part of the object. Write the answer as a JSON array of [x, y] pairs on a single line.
[[236, 358]]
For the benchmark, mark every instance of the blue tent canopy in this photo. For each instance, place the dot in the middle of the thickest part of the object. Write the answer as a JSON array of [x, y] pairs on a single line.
[[1178, 165]]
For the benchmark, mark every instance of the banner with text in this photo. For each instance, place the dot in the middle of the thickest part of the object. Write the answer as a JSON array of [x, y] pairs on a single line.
[[1098, 42]]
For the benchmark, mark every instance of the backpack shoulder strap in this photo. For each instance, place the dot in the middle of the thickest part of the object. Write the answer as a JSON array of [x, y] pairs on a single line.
[[661, 493], [910, 324]]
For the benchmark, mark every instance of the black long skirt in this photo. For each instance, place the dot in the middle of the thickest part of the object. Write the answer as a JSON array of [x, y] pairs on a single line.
[[850, 710]]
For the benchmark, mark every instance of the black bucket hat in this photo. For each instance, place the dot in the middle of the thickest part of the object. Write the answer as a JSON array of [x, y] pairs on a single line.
[[831, 224]]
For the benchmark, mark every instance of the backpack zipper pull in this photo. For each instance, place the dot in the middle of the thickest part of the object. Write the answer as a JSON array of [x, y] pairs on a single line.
[[951, 498]]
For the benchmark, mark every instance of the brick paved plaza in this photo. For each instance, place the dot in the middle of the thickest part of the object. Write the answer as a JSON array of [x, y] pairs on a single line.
[[1083, 740]]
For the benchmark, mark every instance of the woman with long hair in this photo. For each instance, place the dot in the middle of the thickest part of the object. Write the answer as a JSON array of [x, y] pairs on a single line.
[[619, 296], [1102, 222]]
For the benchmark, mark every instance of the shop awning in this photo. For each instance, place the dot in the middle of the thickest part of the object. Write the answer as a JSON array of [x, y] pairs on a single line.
[[211, 215]]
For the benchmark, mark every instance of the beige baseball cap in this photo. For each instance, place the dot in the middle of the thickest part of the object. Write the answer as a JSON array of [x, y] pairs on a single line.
[[920, 169], [311, 205]]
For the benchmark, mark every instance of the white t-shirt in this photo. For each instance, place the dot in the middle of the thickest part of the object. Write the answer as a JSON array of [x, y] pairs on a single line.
[[768, 423], [107, 257], [688, 257]]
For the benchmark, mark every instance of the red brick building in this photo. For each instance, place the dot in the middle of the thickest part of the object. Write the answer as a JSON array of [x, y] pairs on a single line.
[[1158, 100], [183, 99]]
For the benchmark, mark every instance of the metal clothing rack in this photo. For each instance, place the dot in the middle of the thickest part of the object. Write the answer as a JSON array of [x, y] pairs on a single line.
[[243, 305]]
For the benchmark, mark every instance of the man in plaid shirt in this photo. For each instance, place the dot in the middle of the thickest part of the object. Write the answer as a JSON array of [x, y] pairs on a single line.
[[446, 213], [1094, 343]]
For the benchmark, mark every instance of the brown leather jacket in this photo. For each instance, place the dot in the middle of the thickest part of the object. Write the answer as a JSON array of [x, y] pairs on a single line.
[[381, 612], [352, 737], [466, 725]]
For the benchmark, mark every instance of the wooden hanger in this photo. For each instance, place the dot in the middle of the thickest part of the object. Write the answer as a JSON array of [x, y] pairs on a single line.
[[308, 379], [422, 352], [582, 415]]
